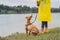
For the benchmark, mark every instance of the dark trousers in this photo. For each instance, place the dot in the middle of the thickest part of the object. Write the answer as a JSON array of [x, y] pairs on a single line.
[[44, 24]]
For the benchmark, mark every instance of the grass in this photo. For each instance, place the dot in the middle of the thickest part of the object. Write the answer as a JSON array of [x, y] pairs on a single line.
[[53, 34]]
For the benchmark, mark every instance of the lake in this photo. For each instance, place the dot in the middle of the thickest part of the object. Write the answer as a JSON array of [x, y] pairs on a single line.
[[12, 23]]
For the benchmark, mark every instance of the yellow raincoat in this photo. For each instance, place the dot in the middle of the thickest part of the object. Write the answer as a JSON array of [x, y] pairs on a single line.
[[44, 10]]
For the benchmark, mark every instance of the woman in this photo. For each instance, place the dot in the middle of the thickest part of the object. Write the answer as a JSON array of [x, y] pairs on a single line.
[[44, 13]]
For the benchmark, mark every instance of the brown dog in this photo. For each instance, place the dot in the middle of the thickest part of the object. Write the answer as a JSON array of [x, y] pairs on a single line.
[[31, 28]]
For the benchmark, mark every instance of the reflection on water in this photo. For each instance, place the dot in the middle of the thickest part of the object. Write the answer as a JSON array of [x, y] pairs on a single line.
[[11, 23]]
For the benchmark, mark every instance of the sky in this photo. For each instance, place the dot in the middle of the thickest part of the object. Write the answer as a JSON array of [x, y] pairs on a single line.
[[31, 3]]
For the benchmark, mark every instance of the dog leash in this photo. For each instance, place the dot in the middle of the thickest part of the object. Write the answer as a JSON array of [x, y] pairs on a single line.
[[34, 19]]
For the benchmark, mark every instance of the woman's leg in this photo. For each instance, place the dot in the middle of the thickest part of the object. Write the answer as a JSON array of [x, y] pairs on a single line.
[[44, 24]]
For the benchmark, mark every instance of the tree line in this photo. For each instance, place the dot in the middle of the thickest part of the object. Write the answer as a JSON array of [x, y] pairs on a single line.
[[21, 9]]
